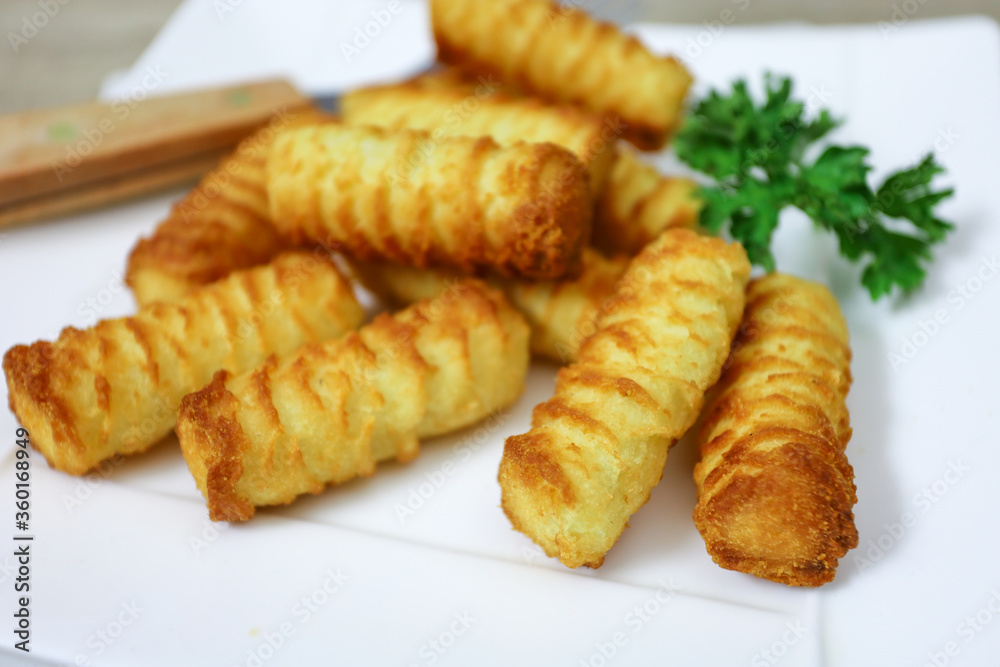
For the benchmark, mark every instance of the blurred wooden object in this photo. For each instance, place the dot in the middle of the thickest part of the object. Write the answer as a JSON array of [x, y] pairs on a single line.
[[56, 161]]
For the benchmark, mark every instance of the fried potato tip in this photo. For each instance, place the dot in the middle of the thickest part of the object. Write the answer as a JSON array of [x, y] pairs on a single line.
[[222, 225], [406, 197], [114, 389], [638, 203], [598, 446], [775, 490], [561, 313], [333, 410], [562, 54], [485, 110]]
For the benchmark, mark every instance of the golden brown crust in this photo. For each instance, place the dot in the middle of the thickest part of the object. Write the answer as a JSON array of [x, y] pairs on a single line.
[[221, 226], [402, 196], [597, 447], [775, 489], [114, 388], [333, 410], [31, 380], [638, 203], [211, 409], [561, 313], [457, 108], [560, 53]]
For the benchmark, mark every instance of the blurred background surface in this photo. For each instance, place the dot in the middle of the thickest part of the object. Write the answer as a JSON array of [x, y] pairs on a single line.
[[85, 40]]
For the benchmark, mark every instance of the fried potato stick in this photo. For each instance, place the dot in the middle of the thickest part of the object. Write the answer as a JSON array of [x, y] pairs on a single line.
[[443, 77], [775, 489], [561, 313], [332, 410], [403, 196], [484, 110], [221, 226], [638, 203], [115, 388], [598, 446], [562, 54], [635, 202]]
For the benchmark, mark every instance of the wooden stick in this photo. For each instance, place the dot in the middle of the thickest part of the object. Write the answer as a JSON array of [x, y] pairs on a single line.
[[110, 190], [47, 151]]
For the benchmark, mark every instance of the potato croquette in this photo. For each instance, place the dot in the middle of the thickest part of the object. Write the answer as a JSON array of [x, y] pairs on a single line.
[[561, 313], [775, 490], [638, 203], [560, 53], [221, 226], [485, 111], [406, 197], [115, 388], [332, 410], [597, 447]]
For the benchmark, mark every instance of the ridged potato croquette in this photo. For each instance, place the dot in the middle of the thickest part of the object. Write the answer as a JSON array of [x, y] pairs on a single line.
[[115, 388], [775, 490], [561, 313], [638, 203], [403, 196], [332, 410], [485, 110], [220, 226], [560, 53], [597, 447], [443, 77]]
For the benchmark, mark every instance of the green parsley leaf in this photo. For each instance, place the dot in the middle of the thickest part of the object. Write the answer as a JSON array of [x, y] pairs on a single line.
[[756, 155]]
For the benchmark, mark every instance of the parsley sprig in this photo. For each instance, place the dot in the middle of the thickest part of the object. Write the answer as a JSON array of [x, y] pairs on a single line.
[[757, 156]]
